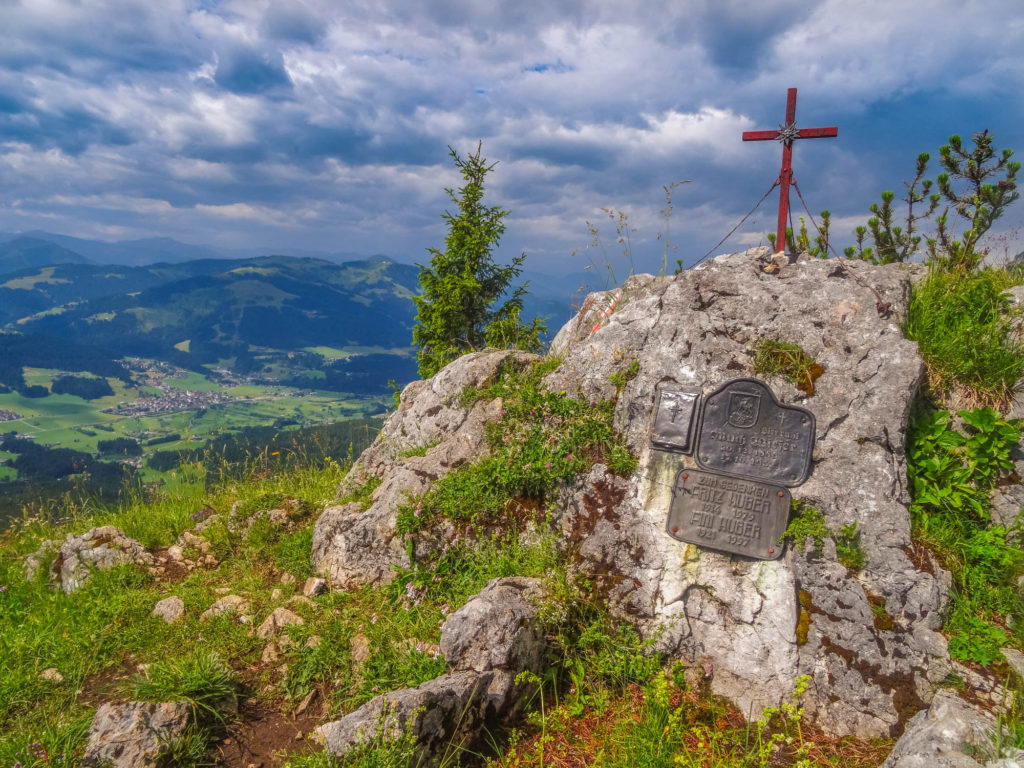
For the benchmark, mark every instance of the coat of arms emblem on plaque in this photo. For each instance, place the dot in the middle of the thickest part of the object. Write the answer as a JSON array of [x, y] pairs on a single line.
[[743, 409]]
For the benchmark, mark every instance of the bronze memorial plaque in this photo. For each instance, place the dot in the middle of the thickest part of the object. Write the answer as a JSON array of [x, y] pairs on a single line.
[[744, 431], [674, 419], [730, 514]]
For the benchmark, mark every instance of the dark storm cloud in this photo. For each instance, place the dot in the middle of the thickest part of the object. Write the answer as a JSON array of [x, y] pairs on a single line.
[[251, 71]]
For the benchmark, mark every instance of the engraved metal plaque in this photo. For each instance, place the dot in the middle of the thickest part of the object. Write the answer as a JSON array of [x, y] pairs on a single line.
[[744, 517], [745, 431], [674, 419]]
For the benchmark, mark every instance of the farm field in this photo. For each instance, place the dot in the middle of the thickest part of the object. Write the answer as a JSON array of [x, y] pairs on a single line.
[[69, 421]]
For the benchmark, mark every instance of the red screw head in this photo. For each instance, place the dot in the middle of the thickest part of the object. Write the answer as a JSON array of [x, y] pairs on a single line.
[[781, 494], [675, 529], [685, 475], [771, 551]]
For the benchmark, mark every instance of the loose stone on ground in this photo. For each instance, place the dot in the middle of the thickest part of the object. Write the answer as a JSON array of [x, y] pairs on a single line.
[[132, 735], [170, 609]]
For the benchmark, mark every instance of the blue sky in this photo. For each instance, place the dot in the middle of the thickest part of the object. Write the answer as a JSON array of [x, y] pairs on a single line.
[[305, 125]]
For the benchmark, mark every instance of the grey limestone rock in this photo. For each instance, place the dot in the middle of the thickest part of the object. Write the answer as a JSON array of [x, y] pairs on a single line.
[[77, 556], [227, 605], [278, 618], [132, 735], [314, 586], [440, 712], [51, 675], [949, 734], [170, 609], [871, 646], [486, 643], [352, 546], [1008, 500], [495, 630], [1015, 659]]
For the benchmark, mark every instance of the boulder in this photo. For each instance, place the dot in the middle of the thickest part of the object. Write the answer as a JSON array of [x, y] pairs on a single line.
[[77, 556], [133, 734], [495, 629], [487, 643], [868, 639], [736, 615], [170, 609], [949, 734]]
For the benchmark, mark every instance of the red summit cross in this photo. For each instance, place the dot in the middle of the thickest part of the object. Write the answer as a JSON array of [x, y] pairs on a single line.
[[786, 134]]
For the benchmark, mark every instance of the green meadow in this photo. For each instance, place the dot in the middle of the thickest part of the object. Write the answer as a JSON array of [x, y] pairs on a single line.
[[69, 421]]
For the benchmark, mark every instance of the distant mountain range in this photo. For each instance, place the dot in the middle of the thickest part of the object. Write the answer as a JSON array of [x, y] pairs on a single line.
[[52, 248], [211, 310], [193, 306]]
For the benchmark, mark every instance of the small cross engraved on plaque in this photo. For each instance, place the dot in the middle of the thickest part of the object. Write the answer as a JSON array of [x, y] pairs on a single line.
[[674, 420], [675, 409]]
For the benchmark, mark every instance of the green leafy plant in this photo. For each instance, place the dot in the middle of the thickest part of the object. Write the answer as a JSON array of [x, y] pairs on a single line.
[[539, 438], [788, 730], [786, 360], [463, 282], [964, 184], [511, 333], [952, 473], [848, 549], [818, 248], [893, 243], [806, 522], [202, 680], [623, 377]]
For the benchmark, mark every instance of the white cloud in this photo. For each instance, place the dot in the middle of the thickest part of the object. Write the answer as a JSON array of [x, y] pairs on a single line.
[[114, 202]]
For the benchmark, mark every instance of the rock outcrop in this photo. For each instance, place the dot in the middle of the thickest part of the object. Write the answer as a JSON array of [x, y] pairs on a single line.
[[869, 638], [76, 557], [352, 546], [740, 615], [950, 734], [487, 643]]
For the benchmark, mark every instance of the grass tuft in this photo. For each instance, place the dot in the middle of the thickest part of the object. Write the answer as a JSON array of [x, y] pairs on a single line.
[[963, 325], [786, 360], [203, 680]]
